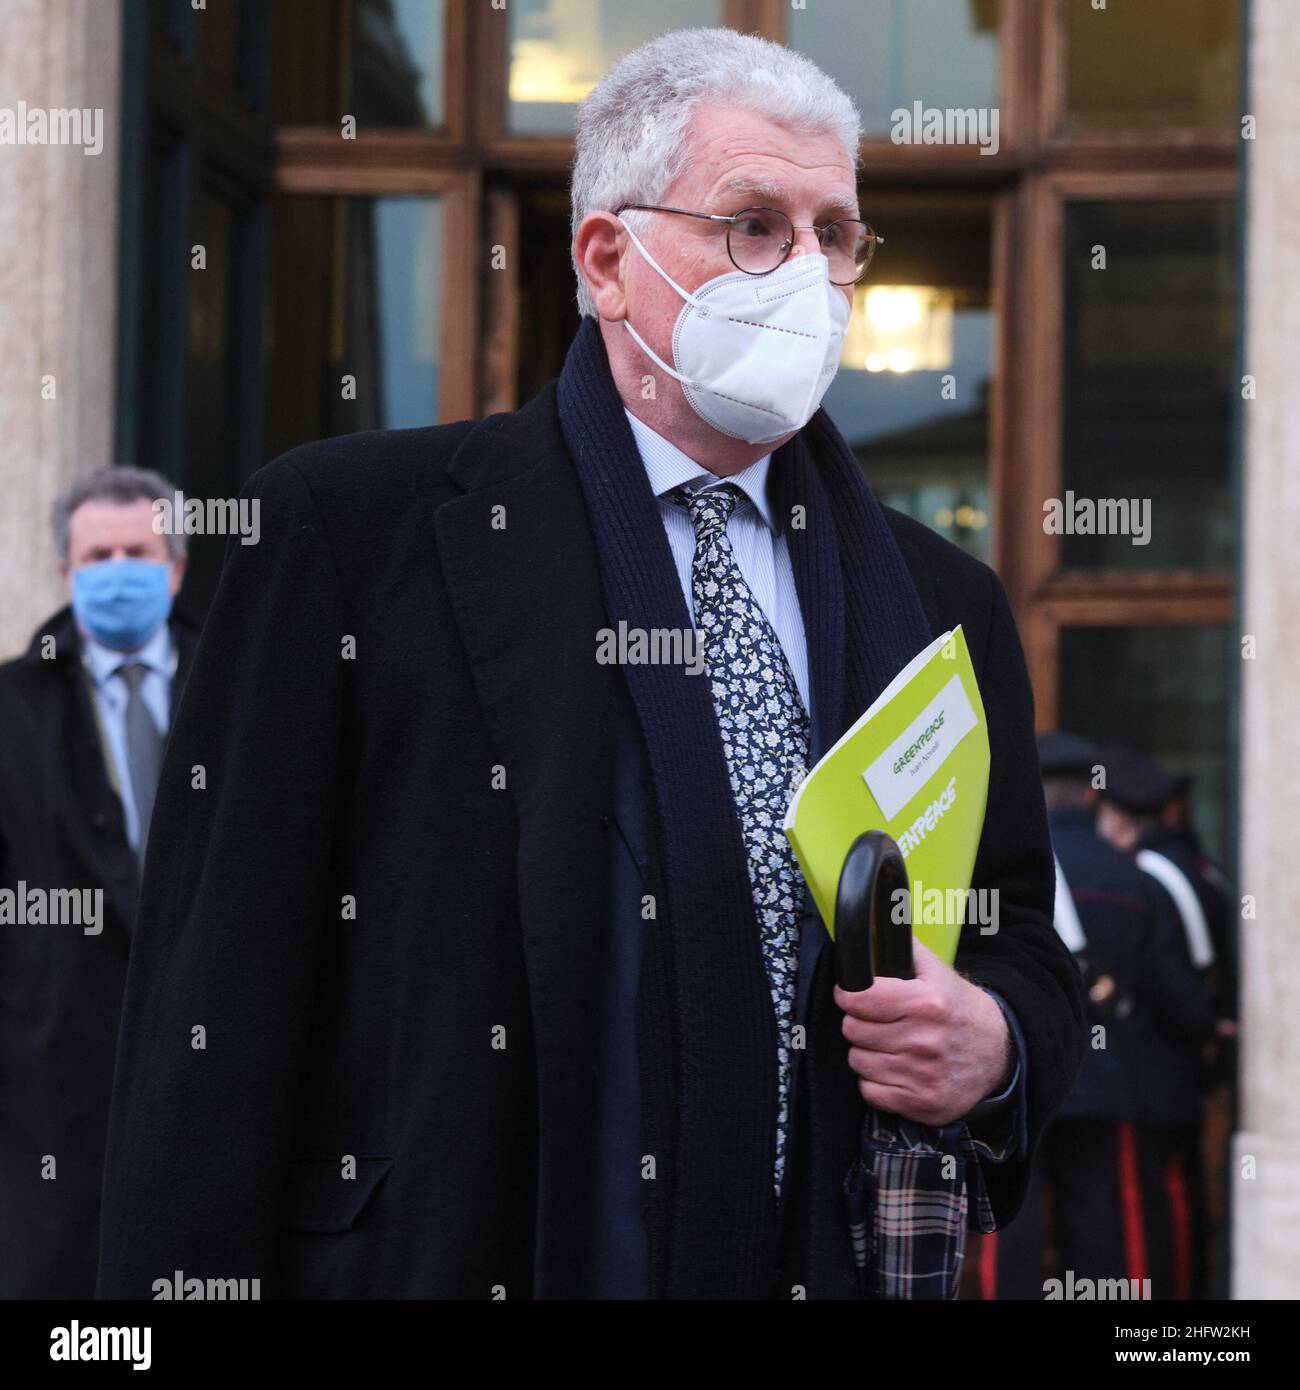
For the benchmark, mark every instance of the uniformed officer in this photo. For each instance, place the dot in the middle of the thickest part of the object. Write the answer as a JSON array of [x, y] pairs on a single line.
[[1132, 816], [1148, 1012], [1219, 1104], [1177, 839]]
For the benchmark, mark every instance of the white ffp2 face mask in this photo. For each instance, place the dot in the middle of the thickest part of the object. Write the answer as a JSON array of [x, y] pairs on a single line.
[[756, 353]]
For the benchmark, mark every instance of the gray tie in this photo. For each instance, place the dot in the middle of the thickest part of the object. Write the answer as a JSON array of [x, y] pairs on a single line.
[[144, 746], [765, 736]]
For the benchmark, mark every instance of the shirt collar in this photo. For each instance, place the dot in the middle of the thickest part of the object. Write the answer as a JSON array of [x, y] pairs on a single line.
[[158, 654], [668, 467]]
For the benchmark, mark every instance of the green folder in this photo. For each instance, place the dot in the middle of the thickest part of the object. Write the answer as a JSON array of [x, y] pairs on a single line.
[[915, 765]]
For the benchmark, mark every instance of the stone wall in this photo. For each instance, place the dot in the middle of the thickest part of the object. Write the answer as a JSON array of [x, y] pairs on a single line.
[[1266, 1179], [58, 289]]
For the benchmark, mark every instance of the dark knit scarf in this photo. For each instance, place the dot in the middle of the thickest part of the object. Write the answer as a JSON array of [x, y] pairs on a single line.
[[706, 1031]]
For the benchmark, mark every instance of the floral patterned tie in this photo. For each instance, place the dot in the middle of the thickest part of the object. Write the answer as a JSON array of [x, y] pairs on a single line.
[[765, 735]]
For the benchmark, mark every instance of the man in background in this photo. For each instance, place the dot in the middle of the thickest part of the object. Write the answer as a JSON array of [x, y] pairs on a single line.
[[1147, 1011], [1219, 1116], [83, 715], [1132, 817], [1176, 837]]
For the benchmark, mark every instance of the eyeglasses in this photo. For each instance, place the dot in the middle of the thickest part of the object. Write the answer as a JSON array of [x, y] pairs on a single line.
[[760, 239]]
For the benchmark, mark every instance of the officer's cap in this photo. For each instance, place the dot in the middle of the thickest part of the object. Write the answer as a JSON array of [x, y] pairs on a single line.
[[1066, 755], [1135, 783]]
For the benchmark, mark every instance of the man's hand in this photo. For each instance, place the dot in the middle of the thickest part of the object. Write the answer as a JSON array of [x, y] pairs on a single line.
[[929, 1048]]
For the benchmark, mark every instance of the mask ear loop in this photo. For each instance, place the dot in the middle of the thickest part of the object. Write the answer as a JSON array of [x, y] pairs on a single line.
[[685, 294]]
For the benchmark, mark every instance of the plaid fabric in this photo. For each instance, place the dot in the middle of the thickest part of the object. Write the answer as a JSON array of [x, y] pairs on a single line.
[[908, 1198]]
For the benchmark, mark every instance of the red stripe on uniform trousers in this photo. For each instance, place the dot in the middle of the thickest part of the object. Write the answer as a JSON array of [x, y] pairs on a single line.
[[989, 1266], [1130, 1201], [1181, 1219]]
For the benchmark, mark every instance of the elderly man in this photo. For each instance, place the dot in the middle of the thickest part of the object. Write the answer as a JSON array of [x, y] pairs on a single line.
[[82, 720], [480, 966]]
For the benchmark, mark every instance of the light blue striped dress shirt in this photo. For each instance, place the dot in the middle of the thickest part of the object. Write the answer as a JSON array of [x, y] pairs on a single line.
[[159, 654], [757, 539]]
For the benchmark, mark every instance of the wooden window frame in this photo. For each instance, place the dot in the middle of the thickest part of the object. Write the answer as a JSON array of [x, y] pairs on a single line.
[[1017, 102], [1191, 147], [458, 193], [418, 163], [1047, 597], [449, 142]]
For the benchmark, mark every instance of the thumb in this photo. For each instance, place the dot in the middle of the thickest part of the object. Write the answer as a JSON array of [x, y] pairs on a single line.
[[924, 960]]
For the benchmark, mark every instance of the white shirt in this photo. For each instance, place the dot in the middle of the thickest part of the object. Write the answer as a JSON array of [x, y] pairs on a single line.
[[757, 541]]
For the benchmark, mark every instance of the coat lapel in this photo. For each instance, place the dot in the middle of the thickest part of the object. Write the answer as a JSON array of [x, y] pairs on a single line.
[[92, 812], [522, 575]]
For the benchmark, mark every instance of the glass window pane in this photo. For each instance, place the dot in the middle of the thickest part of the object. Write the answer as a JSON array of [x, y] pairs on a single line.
[[396, 62], [559, 50], [1164, 691], [1148, 356], [357, 294], [547, 308], [889, 54], [1163, 64], [911, 397], [378, 60]]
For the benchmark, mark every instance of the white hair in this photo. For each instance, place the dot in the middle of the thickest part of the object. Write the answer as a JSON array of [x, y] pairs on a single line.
[[631, 136]]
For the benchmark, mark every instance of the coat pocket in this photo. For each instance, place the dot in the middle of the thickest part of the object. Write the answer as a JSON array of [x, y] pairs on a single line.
[[318, 1199]]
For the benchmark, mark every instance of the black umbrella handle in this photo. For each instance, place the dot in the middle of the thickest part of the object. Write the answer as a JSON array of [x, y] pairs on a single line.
[[873, 929]]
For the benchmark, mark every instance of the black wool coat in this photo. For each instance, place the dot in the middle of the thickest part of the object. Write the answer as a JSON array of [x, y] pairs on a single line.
[[61, 827], [359, 1055]]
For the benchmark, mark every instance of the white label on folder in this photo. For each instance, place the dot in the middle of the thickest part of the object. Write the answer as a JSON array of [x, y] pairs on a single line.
[[921, 749]]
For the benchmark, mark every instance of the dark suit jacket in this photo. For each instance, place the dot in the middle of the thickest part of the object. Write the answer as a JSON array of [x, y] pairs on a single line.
[[387, 907], [61, 826], [617, 1262]]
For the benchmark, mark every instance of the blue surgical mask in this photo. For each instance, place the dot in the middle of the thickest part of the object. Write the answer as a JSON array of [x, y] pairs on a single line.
[[122, 603]]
